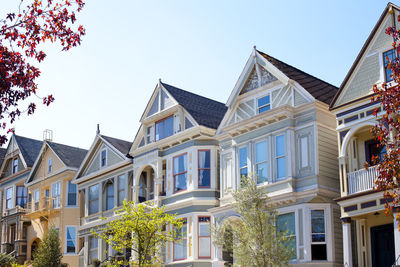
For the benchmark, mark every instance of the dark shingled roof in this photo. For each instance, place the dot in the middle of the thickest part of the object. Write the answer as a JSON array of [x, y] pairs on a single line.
[[122, 145], [29, 148], [3, 152], [71, 156], [205, 111], [319, 89]]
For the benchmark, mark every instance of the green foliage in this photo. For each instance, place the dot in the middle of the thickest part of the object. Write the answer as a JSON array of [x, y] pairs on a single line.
[[254, 238], [49, 251], [140, 228], [6, 260], [17, 265]]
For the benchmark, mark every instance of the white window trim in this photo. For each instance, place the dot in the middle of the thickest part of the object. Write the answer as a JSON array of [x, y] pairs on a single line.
[[12, 165], [268, 161], [66, 240], [49, 165], [51, 194], [269, 104], [67, 196], [11, 199], [100, 158], [248, 165], [275, 165]]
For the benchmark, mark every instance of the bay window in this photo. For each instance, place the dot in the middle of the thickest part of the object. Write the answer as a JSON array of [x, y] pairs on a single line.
[[204, 168], [180, 246], [243, 161], [94, 199], [262, 162], [70, 239], [164, 128], [22, 196], [121, 189], [71, 194], [9, 193], [56, 194], [180, 172], [280, 156], [318, 235], [263, 104], [204, 237], [286, 223]]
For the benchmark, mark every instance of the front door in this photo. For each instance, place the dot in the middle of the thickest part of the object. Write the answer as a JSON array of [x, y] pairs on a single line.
[[382, 245]]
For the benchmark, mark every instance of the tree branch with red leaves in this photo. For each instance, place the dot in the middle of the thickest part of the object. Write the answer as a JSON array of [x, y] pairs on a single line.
[[21, 35]]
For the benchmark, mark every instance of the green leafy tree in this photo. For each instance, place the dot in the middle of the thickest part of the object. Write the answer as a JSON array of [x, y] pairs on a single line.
[[6, 260], [254, 237], [141, 228], [49, 251]]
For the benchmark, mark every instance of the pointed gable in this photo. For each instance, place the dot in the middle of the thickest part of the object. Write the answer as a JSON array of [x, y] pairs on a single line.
[[29, 148], [257, 78], [159, 101], [368, 68], [71, 156]]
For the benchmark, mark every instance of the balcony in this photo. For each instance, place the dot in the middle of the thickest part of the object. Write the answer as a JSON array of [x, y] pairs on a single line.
[[43, 206], [362, 180], [15, 210]]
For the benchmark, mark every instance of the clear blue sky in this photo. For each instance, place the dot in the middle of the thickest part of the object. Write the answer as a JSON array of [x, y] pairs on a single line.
[[199, 46]]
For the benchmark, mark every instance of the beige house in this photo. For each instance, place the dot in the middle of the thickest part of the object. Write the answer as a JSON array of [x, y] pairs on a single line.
[[370, 238], [54, 199]]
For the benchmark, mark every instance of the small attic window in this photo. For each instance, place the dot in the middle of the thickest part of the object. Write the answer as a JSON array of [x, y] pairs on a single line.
[[263, 104], [103, 158], [50, 165], [188, 124], [388, 57], [15, 166]]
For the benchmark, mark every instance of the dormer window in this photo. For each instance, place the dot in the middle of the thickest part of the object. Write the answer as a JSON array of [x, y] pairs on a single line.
[[164, 128], [15, 166], [388, 57], [50, 165], [103, 158], [263, 104]]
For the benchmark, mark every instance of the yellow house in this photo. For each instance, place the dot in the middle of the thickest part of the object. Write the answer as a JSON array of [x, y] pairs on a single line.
[[54, 199]]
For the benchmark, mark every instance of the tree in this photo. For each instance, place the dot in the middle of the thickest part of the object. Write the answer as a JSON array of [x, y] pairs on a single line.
[[6, 260], [141, 228], [49, 251], [22, 35], [387, 131], [254, 238]]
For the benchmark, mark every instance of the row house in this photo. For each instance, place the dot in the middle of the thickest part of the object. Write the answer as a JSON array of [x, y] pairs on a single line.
[[103, 179], [279, 131], [175, 164], [53, 198], [19, 158], [370, 238]]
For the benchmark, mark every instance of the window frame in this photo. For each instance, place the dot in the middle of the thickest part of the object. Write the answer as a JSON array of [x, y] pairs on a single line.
[[324, 233], [291, 234], [285, 156], [14, 166], [199, 236], [49, 165], [121, 190], [385, 64], [53, 198], [20, 197], [66, 240], [68, 193], [104, 150], [163, 120], [267, 161], [260, 107], [36, 201], [180, 173], [107, 184], [198, 168], [92, 237], [247, 162], [9, 200], [96, 199], [185, 222]]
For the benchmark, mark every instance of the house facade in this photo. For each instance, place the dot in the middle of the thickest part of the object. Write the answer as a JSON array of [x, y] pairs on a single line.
[[279, 131], [19, 158], [54, 198], [370, 238], [175, 164], [104, 180]]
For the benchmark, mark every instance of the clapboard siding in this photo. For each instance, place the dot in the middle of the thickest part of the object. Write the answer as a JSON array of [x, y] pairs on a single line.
[[327, 157], [337, 235]]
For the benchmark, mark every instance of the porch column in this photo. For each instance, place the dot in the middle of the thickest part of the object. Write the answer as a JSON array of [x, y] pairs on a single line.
[[347, 253], [396, 217], [218, 260], [86, 251]]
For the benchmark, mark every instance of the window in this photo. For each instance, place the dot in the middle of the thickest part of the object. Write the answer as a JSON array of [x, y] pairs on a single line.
[[243, 161], [180, 172], [304, 161], [36, 198], [204, 168], [15, 165], [49, 165], [280, 155], [318, 236], [94, 199], [93, 252], [22, 196], [103, 158], [164, 128], [70, 240], [55, 194], [263, 104], [109, 194], [9, 194], [262, 162], [286, 222], [121, 189], [180, 247], [204, 237], [388, 57], [72, 194]]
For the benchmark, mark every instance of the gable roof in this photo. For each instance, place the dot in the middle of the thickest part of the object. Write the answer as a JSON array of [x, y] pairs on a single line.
[[122, 145], [318, 88], [70, 156], [362, 51], [205, 111], [29, 148]]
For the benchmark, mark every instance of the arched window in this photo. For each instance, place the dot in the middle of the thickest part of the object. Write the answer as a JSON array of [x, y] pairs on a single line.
[[109, 195], [142, 188]]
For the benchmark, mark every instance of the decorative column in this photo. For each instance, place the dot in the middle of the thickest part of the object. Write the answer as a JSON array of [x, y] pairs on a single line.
[[347, 253], [396, 218], [86, 251]]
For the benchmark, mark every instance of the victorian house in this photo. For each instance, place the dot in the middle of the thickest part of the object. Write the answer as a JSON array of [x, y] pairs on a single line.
[[279, 131], [17, 162], [370, 238], [104, 180], [175, 164], [53, 198]]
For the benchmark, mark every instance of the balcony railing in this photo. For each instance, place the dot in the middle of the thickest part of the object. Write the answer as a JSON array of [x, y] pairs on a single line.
[[362, 180], [44, 204]]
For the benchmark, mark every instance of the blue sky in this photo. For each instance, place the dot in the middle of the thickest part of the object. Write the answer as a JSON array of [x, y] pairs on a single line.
[[199, 46]]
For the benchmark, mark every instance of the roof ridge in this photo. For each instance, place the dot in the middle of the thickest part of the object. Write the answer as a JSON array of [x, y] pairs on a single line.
[[51, 142], [107, 136]]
